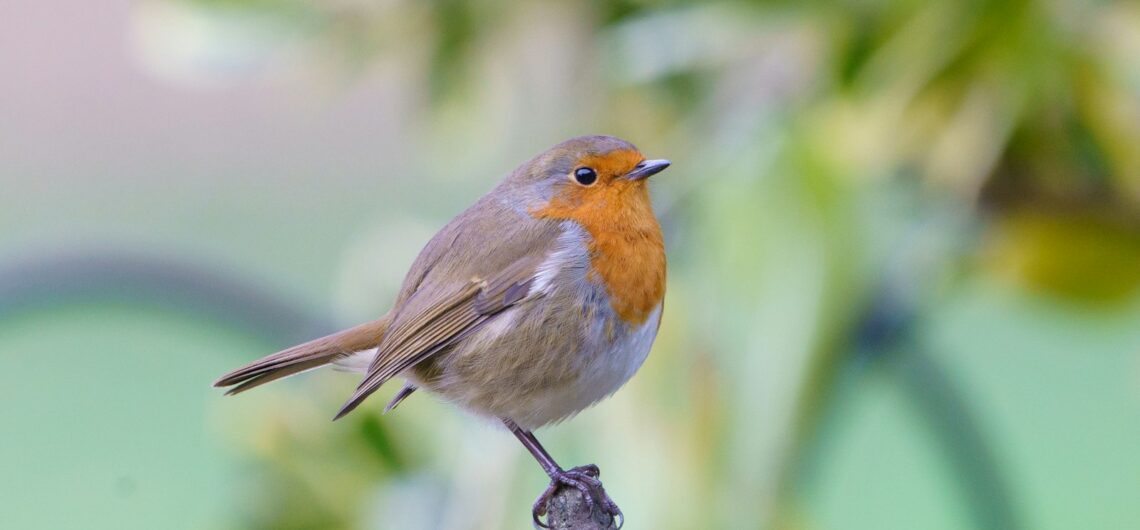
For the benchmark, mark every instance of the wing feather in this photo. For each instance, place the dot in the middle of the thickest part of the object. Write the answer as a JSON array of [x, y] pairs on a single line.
[[420, 335]]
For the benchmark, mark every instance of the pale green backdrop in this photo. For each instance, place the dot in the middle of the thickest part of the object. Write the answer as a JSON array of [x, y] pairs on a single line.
[[904, 243]]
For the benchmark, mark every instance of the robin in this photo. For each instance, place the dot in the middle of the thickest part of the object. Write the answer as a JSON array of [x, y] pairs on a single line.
[[538, 301]]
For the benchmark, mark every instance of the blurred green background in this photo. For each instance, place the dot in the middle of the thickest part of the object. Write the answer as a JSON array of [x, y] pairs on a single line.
[[904, 242]]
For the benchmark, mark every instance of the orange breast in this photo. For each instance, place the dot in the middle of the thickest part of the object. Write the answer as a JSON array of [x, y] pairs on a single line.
[[627, 252]]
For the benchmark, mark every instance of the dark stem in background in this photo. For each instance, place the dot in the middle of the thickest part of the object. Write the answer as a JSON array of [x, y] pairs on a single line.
[[163, 283], [884, 340], [942, 404]]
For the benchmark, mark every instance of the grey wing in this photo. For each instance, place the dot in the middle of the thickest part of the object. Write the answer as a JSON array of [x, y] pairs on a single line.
[[437, 315]]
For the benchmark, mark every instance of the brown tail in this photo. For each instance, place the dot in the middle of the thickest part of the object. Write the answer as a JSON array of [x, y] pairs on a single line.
[[305, 356]]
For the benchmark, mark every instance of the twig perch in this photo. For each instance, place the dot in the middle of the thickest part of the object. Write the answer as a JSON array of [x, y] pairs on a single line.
[[567, 510]]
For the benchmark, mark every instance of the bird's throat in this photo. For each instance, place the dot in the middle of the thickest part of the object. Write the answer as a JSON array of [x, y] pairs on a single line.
[[627, 252]]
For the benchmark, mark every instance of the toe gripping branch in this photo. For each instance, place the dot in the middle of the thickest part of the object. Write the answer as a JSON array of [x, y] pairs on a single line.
[[575, 498]]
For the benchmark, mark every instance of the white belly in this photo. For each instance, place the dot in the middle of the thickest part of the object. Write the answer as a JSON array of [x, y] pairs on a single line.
[[607, 368]]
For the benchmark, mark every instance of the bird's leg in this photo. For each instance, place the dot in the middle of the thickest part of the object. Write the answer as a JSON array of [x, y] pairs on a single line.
[[582, 478]]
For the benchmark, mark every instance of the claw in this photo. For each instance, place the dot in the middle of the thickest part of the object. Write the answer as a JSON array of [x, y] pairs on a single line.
[[589, 469]]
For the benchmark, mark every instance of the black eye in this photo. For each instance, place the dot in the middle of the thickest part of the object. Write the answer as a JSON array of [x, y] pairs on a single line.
[[585, 176]]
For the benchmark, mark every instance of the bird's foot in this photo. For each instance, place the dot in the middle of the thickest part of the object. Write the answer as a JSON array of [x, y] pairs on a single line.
[[585, 480]]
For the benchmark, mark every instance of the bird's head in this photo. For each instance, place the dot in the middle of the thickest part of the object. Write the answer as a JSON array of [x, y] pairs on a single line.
[[590, 179]]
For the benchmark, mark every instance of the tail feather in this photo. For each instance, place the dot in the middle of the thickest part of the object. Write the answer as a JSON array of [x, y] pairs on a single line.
[[304, 357], [276, 373]]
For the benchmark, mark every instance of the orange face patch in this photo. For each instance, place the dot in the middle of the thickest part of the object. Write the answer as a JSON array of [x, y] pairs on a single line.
[[611, 165], [627, 252]]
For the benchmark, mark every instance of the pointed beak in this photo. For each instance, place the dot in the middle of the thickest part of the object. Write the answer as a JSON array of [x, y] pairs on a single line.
[[647, 169]]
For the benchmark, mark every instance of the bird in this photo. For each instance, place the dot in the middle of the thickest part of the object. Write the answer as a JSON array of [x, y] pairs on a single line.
[[536, 302]]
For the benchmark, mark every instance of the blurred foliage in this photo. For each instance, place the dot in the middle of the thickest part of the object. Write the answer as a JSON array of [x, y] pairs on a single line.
[[904, 242]]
